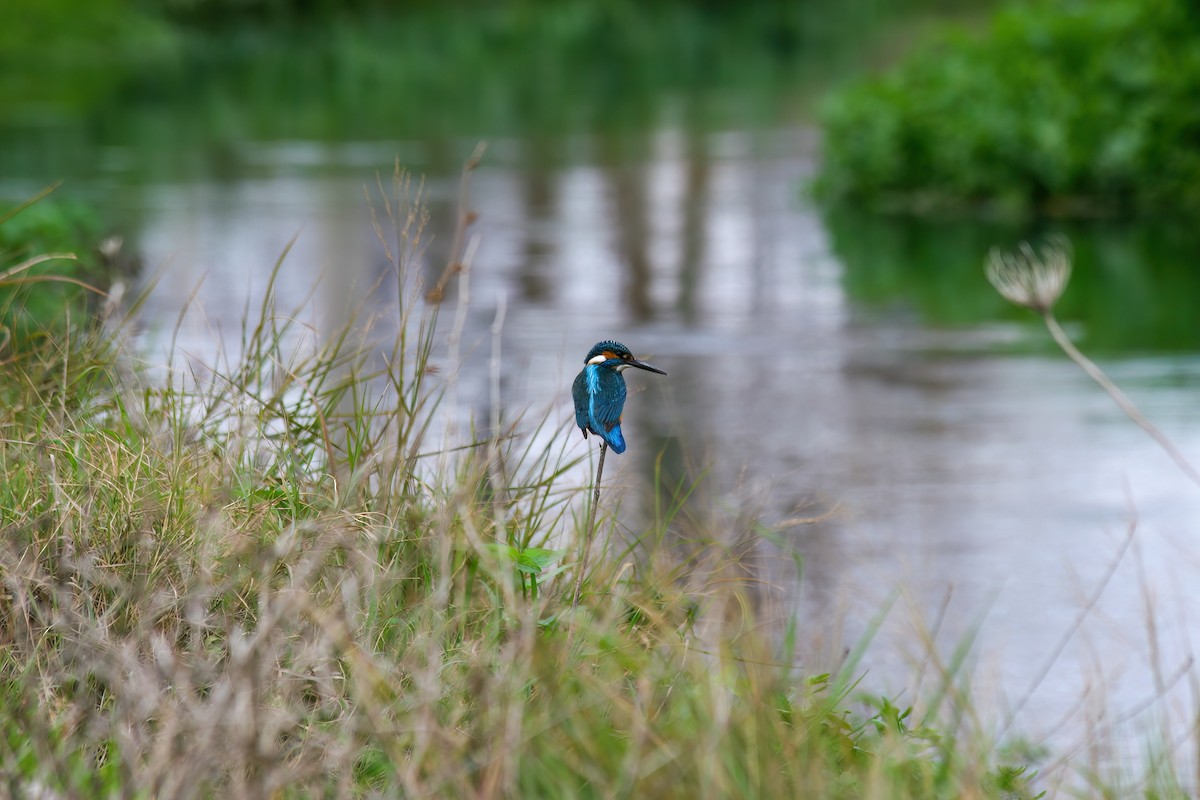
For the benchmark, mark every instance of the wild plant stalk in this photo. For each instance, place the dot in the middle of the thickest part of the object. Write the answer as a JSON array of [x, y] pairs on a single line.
[[1119, 397], [591, 524], [1036, 281]]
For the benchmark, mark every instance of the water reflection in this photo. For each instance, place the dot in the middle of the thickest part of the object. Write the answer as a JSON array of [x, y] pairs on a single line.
[[1133, 287], [844, 365]]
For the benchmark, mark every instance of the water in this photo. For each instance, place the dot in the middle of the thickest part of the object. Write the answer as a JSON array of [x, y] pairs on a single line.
[[854, 371]]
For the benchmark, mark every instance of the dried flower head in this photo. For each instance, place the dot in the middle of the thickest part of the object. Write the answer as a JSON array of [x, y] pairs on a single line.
[[1032, 279]]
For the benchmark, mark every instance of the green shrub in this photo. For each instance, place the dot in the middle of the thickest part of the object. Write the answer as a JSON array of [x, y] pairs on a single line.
[[1071, 108], [57, 54], [48, 259]]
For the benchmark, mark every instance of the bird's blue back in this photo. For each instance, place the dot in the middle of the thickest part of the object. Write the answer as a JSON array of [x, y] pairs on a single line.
[[599, 394]]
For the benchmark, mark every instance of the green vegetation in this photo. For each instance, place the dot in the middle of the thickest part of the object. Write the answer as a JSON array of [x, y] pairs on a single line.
[[283, 582], [50, 269], [58, 56], [375, 68], [1068, 108], [186, 84]]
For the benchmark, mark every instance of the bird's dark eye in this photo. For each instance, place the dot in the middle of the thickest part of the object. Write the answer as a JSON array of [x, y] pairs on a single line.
[[627, 356]]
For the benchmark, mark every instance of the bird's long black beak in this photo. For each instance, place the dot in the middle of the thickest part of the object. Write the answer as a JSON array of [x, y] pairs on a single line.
[[648, 367]]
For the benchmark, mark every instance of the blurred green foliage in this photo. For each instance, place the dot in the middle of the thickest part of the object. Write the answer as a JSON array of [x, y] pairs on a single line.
[[213, 70], [34, 298], [58, 55], [1073, 108]]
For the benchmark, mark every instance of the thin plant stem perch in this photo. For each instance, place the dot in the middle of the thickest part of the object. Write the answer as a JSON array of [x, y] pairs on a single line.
[[591, 524]]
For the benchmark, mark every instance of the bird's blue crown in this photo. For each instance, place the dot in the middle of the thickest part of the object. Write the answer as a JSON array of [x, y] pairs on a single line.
[[616, 348]]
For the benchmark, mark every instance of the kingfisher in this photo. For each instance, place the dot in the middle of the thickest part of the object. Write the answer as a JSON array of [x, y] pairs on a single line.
[[599, 391]]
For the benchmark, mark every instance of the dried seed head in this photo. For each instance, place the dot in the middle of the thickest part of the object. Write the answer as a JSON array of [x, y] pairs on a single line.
[[1032, 279]]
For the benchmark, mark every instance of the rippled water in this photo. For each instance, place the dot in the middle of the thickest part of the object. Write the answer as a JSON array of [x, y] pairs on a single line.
[[968, 475]]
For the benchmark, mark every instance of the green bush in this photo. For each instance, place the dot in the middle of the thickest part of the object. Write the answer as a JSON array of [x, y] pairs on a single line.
[[1070, 108], [60, 54], [48, 258]]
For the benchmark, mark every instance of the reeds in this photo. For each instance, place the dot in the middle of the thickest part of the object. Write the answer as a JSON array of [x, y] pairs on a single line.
[[589, 530]]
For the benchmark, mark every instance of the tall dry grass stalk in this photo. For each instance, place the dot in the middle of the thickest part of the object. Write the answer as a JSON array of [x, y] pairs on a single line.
[[1035, 280], [589, 530]]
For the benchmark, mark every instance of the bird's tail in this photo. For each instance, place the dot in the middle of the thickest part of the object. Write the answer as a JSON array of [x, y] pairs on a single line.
[[615, 440]]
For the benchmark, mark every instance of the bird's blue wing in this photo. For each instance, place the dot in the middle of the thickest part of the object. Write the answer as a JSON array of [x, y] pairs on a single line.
[[607, 404], [579, 392], [605, 409]]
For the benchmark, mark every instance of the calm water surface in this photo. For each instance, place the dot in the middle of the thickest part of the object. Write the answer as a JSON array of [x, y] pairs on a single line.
[[962, 472]]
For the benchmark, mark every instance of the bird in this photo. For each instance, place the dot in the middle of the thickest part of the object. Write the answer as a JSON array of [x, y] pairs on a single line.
[[599, 391]]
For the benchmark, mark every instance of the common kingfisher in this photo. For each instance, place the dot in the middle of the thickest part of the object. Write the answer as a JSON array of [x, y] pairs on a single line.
[[599, 391]]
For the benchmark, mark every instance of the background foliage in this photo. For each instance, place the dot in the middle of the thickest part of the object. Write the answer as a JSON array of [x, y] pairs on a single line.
[[48, 253], [1072, 108]]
